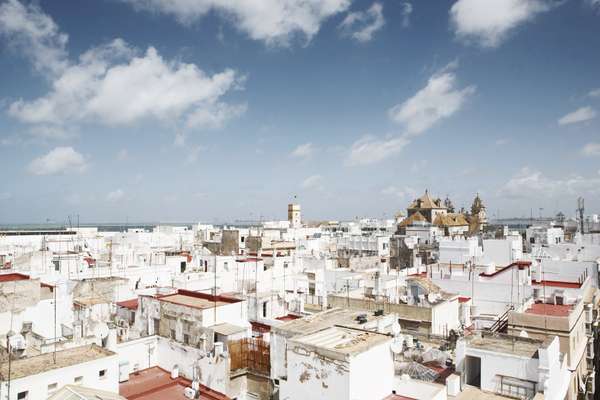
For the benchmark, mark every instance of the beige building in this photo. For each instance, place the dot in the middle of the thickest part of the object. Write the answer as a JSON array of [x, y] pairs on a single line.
[[567, 322]]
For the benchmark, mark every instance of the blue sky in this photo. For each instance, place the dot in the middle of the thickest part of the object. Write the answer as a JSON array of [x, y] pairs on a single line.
[[216, 110]]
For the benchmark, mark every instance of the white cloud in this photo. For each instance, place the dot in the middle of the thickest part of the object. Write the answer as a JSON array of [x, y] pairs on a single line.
[[115, 195], [532, 183], [59, 160], [502, 141], [595, 92], [439, 99], [407, 10], [214, 116], [312, 182], [594, 3], [194, 154], [122, 155], [591, 149], [35, 34], [305, 150], [274, 22], [489, 22], [99, 89], [112, 84], [362, 25], [370, 150], [403, 193], [5, 196], [580, 115]]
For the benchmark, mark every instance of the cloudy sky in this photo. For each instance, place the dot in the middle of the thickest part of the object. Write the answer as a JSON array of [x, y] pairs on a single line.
[[217, 110]]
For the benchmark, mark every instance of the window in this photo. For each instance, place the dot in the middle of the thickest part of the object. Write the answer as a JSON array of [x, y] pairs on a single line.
[[173, 336], [78, 380], [186, 338], [52, 388], [102, 374], [23, 395], [264, 309]]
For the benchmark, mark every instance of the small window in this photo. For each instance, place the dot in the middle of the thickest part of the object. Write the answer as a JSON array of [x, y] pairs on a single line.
[[102, 374], [173, 336], [264, 309], [186, 338], [52, 387], [78, 380], [23, 395]]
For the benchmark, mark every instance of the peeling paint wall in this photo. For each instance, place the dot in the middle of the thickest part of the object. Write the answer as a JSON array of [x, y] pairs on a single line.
[[312, 376]]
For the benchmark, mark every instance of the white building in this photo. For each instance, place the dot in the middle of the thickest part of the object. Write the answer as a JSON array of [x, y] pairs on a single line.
[[513, 366], [338, 363], [38, 377]]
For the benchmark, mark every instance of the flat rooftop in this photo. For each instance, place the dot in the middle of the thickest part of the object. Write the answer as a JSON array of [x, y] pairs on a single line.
[[341, 340], [197, 299], [499, 343], [325, 319], [189, 301], [554, 310], [156, 384], [45, 362]]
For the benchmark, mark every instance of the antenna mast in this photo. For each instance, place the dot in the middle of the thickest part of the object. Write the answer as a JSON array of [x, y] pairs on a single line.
[[580, 210]]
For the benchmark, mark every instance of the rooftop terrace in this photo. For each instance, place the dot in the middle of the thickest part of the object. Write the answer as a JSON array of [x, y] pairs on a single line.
[[498, 343], [344, 341], [45, 362], [156, 384]]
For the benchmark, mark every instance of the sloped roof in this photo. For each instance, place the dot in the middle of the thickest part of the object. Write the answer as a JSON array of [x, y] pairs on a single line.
[[74, 392], [451, 220], [416, 217], [425, 202]]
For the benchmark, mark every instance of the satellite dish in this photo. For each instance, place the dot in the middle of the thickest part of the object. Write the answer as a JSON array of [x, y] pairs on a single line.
[[396, 329], [396, 347], [524, 334], [432, 297]]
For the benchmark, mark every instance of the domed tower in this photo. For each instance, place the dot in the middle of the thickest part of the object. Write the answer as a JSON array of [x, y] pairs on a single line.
[[478, 210]]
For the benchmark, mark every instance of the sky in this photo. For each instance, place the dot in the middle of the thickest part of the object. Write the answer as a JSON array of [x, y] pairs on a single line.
[[227, 110]]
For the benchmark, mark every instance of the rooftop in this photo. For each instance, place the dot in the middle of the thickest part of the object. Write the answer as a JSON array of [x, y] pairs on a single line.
[[156, 384], [197, 299], [131, 304], [343, 341], [45, 362], [76, 392], [325, 319], [554, 310], [13, 277], [498, 343]]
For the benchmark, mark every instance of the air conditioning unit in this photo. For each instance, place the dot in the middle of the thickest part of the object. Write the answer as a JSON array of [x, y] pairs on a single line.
[[189, 393]]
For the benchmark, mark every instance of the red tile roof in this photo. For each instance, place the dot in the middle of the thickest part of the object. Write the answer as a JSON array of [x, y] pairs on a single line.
[[156, 384], [463, 299], [289, 317], [131, 304], [552, 310], [13, 277], [562, 284]]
